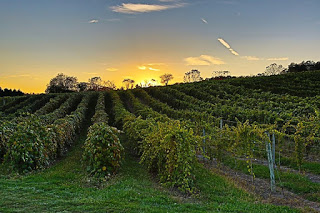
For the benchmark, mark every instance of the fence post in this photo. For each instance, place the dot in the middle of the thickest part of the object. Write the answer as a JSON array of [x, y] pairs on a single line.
[[274, 150], [271, 168]]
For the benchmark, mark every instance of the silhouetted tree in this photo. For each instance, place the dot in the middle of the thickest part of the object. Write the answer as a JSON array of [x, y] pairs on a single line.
[[62, 83], [10, 92], [304, 66], [109, 84], [192, 76], [165, 78], [221, 73], [274, 69], [128, 83], [82, 86], [95, 83]]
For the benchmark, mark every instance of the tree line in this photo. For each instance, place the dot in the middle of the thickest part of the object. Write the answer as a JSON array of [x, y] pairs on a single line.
[[63, 83], [10, 92]]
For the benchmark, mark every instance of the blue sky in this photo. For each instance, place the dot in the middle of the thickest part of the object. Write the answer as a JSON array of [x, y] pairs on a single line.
[[143, 39]]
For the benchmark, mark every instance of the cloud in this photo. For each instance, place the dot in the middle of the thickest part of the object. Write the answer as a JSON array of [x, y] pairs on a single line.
[[278, 59], [111, 69], [153, 69], [130, 8], [142, 67], [224, 43], [93, 21], [251, 58], [203, 60], [204, 21], [233, 52]]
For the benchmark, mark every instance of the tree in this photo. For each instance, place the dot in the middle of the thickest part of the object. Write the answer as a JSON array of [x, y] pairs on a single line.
[[128, 83], [62, 83], [192, 76], [165, 78], [274, 69], [95, 83], [109, 84], [82, 86], [220, 74], [10, 92]]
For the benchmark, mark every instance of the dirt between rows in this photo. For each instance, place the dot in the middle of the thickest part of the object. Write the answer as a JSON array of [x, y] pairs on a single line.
[[261, 188]]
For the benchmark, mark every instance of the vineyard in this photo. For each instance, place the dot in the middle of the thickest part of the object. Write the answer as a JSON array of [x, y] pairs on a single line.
[[237, 145]]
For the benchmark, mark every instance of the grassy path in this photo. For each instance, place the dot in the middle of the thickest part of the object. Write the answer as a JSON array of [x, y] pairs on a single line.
[[65, 187]]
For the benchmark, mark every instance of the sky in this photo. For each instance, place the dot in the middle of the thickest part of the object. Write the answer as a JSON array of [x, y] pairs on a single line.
[[143, 39]]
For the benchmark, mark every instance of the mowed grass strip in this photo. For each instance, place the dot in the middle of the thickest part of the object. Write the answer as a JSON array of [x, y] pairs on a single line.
[[297, 183], [65, 187]]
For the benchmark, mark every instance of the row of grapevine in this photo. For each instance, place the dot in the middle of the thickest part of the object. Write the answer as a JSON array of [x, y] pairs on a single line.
[[103, 151], [165, 146], [303, 84], [29, 144]]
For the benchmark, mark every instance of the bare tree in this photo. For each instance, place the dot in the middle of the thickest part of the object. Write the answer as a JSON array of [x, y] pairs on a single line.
[[95, 83], [128, 83], [274, 69], [192, 76], [165, 78], [109, 84]]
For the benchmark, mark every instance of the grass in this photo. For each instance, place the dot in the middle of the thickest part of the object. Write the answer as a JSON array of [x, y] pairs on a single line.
[[311, 167], [66, 187], [296, 183]]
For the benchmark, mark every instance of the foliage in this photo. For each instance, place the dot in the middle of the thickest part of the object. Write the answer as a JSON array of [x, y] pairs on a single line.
[[274, 69], [62, 83], [165, 78], [10, 92], [170, 149], [102, 150], [192, 76], [29, 146]]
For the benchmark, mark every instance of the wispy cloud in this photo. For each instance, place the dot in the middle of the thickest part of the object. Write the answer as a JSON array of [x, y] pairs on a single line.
[[278, 59], [111, 69], [251, 58], [224, 43], [130, 8], [143, 67], [233, 52], [204, 21], [93, 21], [203, 60], [153, 69]]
